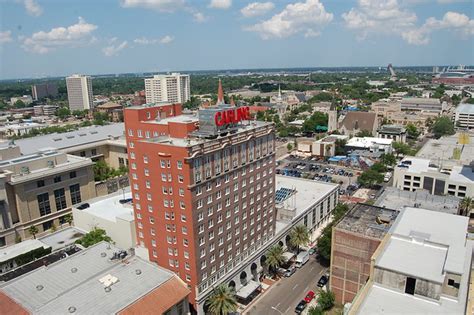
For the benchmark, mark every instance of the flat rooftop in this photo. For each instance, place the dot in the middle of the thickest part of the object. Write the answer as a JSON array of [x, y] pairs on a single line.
[[74, 283], [184, 118], [448, 148], [368, 220], [396, 199], [308, 192], [457, 173], [367, 142], [24, 247], [436, 227], [62, 238], [465, 109], [109, 207], [66, 140]]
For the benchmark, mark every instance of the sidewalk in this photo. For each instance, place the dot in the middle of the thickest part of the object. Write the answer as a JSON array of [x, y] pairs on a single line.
[[267, 284]]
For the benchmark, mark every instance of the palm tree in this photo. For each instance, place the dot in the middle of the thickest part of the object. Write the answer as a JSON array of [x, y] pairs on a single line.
[[68, 218], [274, 257], [299, 236], [222, 301], [33, 230], [466, 206]]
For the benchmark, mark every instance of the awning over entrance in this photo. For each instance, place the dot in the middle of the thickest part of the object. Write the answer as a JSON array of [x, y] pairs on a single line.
[[287, 256], [248, 289]]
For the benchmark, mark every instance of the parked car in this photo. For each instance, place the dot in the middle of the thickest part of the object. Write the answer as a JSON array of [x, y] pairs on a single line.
[[309, 296], [300, 307], [312, 251], [322, 281], [289, 272]]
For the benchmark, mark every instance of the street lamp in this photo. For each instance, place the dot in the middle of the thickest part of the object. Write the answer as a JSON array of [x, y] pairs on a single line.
[[274, 308]]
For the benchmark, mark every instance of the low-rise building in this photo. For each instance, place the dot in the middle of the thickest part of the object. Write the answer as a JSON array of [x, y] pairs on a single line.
[[45, 110], [422, 266], [39, 190], [464, 116], [355, 238], [371, 144], [19, 129], [323, 107], [354, 122], [26, 99], [395, 132], [114, 214], [422, 104], [98, 280], [414, 173], [96, 142], [113, 110], [12, 256]]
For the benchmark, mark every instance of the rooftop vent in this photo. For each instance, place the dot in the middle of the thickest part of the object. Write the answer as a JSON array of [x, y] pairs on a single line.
[[50, 164], [138, 272], [71, 309], [39, 287], [108, 280], [103, 254], [74, 270]]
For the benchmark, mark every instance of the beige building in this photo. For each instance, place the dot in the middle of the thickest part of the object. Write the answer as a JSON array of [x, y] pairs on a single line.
[[173, 88], [39, 189], [392, 111], [114, 214], [79, 92]]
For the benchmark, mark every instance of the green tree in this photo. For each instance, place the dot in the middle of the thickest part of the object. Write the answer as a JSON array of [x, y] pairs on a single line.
[[93, 237], [316, 119], [68, 219], [63, 113], [289, 147], [274, 258], [388, 159], [19, 104], [443, 126], [321, 97], [33, 230], [379, 167], [326, 300], [401, 148], [465, 206], [192, 103], [79, 113], [364, 133], [315, 310], [222, 301], [370, 178], [469, 100], [324, 241], [299, 236], [412, 131]]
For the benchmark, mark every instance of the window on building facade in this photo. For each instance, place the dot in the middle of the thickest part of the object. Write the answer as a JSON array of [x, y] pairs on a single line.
[[60, 199], [75, 192], [43, 204]]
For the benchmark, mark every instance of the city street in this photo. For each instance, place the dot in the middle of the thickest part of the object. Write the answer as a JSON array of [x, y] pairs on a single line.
[[285, 294]]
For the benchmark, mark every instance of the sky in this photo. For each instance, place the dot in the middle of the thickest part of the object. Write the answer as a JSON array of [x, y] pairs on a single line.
[[41, 38]]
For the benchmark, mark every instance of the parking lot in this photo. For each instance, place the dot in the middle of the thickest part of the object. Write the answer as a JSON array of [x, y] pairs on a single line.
[[318, 169]]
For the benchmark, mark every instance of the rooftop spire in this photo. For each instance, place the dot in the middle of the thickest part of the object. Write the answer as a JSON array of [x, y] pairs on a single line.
[[279, 93], [232, 102], [220, 94]]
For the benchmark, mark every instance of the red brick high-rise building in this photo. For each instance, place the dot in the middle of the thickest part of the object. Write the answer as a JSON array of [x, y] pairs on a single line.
[[203, 190]]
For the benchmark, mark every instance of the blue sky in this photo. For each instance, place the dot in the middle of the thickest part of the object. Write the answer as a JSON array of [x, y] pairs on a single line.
[[60, 37]]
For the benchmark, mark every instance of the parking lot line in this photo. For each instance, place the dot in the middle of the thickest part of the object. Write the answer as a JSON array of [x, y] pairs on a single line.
[[296, 285]]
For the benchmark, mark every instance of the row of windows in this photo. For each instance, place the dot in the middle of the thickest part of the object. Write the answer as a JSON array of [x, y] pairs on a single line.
[[44, 205], [56, 179]]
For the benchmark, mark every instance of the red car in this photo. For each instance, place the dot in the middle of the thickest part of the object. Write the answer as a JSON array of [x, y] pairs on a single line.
[[309, 296]]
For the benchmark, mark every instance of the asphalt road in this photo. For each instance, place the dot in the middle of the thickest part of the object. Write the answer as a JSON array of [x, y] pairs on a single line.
[[286, 293]]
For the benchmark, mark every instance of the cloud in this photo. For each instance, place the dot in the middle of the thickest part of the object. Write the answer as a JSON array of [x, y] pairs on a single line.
[[74, 35], [388, 17], [113, 50], [33, 8], [301, 17], [159, 5], [5, 37], [220, 4], [148, 41], [257, 8], [199, 17]]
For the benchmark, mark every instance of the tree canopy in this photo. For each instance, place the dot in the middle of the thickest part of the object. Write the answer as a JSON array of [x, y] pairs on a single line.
[[443, 126], [93, 237], [370, 178]]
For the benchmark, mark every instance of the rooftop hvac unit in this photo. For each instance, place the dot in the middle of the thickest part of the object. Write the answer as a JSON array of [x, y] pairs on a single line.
[[51, 164], [24, 170]]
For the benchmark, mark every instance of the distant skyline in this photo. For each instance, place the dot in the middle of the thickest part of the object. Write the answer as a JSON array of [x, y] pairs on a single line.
[[57, 38]]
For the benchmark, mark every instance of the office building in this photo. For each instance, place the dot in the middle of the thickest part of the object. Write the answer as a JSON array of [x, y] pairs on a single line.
[[79, 92], [172, 88], [445, 178], [423, 266], [395, 132], [40, 91], [114, 214], [26, 99], [464, 116], [39, 190], [45, 110], [96, 281], [418, 104], [355, 238]]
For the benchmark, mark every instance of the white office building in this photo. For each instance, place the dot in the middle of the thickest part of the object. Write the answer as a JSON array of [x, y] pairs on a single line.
[[173, 88], [464, 116], [79, 92], [415, 173]]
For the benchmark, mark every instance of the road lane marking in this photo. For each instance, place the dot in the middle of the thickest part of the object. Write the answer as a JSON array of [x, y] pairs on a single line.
[[287, 310], [278, 305], [295, 286], [312, 268]]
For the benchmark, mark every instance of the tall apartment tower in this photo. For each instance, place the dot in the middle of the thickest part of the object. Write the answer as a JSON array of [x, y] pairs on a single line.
[[203, 190], [79, 92], [39, 91], [172, 88]]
